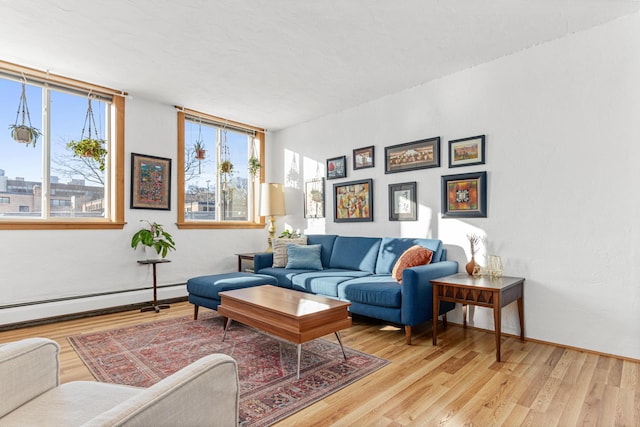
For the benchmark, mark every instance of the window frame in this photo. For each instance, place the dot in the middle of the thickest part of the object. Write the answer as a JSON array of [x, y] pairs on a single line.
[[182, 223], [116, 182]]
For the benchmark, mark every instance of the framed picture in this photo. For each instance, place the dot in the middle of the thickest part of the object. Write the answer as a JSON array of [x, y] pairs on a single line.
[[150, 182], [466, 151], [337, 167], [464, 195], [314, 198], [363, 158], [412, 155], [353, 201], [402, 202]]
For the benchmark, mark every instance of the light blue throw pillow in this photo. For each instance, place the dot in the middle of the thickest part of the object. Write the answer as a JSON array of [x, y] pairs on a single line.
[[304, 257]]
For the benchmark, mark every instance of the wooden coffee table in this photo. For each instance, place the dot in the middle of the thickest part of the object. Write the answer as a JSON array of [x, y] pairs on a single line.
[[294, 316]]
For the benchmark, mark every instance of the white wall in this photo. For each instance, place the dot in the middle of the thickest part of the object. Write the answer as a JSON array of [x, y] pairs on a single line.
[[44, 265], [562, 121]]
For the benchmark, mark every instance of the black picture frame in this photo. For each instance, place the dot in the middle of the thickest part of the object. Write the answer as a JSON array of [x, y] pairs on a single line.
[[314, 198], [353, 201], [364, 158], [409, 156], [402, 202], [150, 182], [337, 167], [464, 195], [467, 151]]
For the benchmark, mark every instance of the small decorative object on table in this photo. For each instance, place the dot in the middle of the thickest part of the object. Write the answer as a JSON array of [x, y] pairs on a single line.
[[494, 266], [472, 266]]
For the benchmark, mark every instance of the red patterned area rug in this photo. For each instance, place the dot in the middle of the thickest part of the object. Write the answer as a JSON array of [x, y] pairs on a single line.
[[144, 354]]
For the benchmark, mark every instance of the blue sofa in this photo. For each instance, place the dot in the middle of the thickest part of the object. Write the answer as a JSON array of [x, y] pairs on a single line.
[[358, 270]]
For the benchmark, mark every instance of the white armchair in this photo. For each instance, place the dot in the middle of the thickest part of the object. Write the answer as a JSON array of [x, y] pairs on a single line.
[[205, 393]]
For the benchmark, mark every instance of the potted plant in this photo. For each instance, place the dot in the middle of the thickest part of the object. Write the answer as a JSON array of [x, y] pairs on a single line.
[[254, 165], [226, 167], [153, 236], [23, 132], [199, 150], [91, 148]]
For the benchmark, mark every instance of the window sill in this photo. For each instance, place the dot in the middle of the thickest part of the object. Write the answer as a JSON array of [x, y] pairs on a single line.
[[220, 225], [60, 225]]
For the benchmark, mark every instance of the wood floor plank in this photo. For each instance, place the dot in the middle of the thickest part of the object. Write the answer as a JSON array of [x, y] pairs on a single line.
[[457, 382]]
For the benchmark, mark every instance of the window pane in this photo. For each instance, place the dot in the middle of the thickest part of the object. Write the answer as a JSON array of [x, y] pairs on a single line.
[[20, 164], [200, 171], [76, 179], [234, 194]]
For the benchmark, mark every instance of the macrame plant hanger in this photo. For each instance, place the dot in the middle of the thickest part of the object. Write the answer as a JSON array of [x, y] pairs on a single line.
[[21, 132]]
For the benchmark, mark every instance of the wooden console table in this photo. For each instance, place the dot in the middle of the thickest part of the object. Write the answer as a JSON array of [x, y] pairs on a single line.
[[246, 257], [482, 291], [156, 307]]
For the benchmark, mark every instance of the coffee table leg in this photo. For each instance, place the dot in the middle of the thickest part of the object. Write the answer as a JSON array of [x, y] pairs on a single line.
[[341, 347], [226, 328], [299, 351]]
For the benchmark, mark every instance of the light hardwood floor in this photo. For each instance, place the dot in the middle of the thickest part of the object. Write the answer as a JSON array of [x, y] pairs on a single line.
[[456, 383]]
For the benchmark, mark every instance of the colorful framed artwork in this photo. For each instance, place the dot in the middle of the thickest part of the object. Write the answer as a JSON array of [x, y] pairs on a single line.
[[412, 155], [466, 151], [402, 202], [314, 198], [150, 182], [464, 195], [363, 158], [353, 201], [337, 167]]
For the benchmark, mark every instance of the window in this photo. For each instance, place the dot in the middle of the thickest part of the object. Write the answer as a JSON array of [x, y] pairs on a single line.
[[47, 183], [216, 188], [5, 200]]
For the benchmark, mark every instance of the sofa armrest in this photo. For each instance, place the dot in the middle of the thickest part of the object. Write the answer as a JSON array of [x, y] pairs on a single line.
[[417, 292], [262, 260], [205, 392], [28, 368]]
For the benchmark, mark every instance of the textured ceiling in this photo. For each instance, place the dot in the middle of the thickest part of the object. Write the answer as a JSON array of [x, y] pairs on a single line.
[[275, 63]]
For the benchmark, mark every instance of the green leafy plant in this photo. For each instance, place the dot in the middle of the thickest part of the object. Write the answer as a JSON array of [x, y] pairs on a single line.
[[254, 165], [25, 134], [198, 148], [288, 234], [89, 147], [226, 167], [153, 236]]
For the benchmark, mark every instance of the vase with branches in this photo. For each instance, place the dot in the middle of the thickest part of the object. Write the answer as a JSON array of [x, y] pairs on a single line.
[[474, 241]]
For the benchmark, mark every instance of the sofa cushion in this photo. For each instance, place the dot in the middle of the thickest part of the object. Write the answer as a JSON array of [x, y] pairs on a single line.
[[283, 276], [210, 286], [391, 248], [280, 249], [324, 282], [377, 290], [355, 253], [304, 257], [326, 241], [414, 256]]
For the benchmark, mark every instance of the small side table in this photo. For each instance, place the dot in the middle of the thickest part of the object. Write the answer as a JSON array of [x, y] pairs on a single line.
[[246, 257], [155, 307], [494, 293]]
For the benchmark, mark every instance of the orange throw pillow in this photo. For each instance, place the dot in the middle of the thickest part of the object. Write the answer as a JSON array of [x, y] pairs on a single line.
[[415, 255]]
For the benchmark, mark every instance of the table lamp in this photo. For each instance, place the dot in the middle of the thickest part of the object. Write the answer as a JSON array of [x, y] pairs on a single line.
[[271, 205]]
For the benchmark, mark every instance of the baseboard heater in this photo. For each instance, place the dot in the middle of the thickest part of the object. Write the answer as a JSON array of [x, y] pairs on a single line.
[[90, 313]]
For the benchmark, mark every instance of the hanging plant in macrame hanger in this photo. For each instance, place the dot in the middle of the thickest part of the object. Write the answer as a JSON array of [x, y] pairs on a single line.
[[226, 167], [254, 161], [89, 147], [198, 148], [23, 133]]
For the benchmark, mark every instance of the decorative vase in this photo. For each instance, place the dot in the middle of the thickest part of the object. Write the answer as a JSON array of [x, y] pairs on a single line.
[[471, 265]]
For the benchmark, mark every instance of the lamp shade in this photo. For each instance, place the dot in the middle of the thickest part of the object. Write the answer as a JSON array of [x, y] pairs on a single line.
[[271, 199]]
